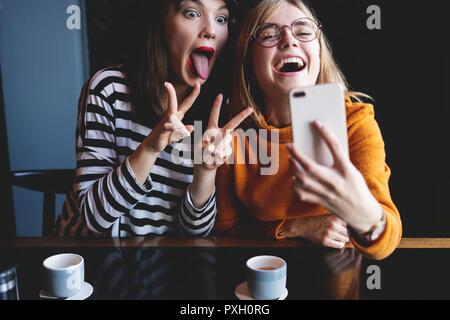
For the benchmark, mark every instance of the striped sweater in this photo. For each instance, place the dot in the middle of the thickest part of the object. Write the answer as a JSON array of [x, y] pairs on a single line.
[[107, 199]]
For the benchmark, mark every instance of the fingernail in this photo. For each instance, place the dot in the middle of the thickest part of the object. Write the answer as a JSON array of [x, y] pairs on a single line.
[[318, 123], [289, 146], [166, 84]]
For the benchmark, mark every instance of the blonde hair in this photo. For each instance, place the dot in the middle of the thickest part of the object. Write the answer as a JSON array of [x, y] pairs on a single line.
[[245, 91]]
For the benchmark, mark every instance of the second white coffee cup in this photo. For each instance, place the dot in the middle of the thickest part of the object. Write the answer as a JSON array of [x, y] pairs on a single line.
[[266, 277], [63, 274]]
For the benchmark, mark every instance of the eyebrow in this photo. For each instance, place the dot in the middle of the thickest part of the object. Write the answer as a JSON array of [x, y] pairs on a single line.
[[279, 25], [200, 3]]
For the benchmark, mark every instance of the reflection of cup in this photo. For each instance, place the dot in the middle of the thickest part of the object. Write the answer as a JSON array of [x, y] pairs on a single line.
[[8, 284], [266, 277], [64, 274]]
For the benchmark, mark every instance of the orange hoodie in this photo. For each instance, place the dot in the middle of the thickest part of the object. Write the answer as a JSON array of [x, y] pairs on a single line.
[[251, 204]]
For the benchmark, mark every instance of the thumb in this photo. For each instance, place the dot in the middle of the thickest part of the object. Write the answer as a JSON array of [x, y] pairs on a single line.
[[189, 128]]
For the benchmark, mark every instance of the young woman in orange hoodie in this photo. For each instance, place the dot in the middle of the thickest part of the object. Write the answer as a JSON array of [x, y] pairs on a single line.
[[329, 206]]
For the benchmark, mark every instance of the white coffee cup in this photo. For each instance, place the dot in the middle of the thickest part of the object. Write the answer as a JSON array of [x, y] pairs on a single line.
[[266, 277], [63, 274]]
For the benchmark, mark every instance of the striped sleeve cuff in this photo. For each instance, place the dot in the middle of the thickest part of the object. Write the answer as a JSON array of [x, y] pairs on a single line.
[[195, 210], [132, 183], [197, 221]]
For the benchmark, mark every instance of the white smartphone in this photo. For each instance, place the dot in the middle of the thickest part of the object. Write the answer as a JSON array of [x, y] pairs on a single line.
[[324, 102]]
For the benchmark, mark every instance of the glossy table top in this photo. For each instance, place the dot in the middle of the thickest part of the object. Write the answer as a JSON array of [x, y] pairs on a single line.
[[211, 268]]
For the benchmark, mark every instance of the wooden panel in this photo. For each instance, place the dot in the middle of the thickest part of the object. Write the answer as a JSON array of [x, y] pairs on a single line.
[[407, 243], [7, 220]]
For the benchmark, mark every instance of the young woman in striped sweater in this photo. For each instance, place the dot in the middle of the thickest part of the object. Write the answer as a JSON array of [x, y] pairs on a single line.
[[135, 172], [281, 46]]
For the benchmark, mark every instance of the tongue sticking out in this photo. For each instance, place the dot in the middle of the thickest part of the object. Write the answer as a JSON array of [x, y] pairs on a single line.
[[200, 64]]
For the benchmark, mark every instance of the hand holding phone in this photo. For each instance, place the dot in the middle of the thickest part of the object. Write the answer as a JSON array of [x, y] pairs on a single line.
[[323, 172]]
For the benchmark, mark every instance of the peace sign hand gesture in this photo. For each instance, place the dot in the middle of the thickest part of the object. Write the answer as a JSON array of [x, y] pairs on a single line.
[[216, 142], [170, 129]]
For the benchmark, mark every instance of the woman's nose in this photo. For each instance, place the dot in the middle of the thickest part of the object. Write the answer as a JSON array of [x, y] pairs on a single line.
[[287, 39], [208, 31]]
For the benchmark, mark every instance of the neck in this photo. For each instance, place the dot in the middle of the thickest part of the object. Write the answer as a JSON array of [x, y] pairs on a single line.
[[277, 111]]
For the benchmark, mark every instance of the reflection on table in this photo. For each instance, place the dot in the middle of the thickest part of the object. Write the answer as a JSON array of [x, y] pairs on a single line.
[[167, 268]]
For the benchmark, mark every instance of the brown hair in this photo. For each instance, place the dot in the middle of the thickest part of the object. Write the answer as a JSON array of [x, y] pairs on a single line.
[[245, 92], [147, 72]]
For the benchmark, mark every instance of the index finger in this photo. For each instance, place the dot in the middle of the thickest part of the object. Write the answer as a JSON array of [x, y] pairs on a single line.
[[189, 101], [172, 98], [215, 112], [237, 120]]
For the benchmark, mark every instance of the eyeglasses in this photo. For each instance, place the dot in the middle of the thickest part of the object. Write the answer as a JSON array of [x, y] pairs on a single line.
[[269, 34]]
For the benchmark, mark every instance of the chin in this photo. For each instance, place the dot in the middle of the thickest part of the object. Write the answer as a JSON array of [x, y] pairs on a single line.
[[303, 83], [190, 80], [289, 84]]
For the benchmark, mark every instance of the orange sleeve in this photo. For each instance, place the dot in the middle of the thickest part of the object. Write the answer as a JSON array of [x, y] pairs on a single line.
[[367, 153], [232, 219]]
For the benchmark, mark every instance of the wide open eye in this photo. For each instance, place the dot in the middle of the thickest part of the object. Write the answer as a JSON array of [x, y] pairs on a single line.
[[222, 19], [191, 13]]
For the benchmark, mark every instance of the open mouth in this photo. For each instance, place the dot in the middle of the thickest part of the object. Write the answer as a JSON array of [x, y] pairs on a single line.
[[289, 65], [200, 60]]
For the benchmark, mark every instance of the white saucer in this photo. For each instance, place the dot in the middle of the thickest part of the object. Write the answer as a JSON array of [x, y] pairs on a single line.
[[241, 292], [85, 292]]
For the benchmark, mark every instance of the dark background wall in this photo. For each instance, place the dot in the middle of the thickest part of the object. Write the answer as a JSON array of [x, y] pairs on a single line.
[[7, 223]]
